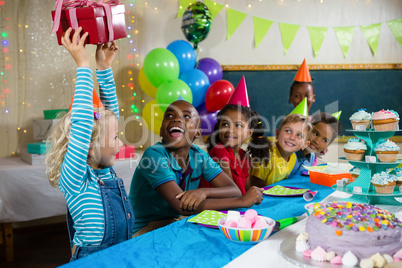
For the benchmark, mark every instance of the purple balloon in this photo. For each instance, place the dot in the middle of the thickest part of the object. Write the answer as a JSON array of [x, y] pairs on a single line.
[[211, 68], [208, 122], [202, 109]]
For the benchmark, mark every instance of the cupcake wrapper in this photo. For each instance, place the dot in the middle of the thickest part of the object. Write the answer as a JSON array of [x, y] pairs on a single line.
[[361, 123], [386, 127], [384, 189], [387, 157], [356, 157]]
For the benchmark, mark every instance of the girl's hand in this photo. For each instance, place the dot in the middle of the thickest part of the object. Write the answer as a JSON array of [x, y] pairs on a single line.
[[76, 49], [105, 54], [252, 196], [190, 200]]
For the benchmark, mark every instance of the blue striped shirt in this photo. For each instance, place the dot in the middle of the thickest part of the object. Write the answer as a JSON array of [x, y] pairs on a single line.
[[78, 181]]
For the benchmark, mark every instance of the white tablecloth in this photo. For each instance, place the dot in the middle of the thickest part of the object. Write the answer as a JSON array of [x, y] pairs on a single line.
[[25, 193], [267, 253]]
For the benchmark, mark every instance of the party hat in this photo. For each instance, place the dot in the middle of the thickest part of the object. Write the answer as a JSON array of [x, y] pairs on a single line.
[[96, 101], [301, 108], [303, 75], [240, 96], [180, 98], [337, 115]]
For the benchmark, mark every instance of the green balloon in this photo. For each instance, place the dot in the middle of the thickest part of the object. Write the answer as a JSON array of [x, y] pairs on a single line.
[[161, 65], [196, 23], [170, 91]]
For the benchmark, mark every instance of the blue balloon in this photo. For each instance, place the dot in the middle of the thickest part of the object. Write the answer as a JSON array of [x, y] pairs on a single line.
[[184, 53], [198, 82]]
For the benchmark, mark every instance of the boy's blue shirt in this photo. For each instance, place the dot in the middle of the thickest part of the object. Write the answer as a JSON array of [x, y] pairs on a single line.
[[301, 160], [158, 166]]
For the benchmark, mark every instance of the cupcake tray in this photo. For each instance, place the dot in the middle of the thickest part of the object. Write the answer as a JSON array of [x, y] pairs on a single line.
[[367, 170]]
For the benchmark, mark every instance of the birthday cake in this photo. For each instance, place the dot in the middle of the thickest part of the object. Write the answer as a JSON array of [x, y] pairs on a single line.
[[351, 234]]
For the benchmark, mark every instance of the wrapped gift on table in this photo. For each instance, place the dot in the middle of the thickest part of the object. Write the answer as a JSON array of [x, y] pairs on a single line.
[[104, 21], [36, 148]]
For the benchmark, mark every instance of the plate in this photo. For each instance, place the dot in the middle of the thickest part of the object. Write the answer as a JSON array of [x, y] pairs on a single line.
[[284, 194], [288, 251]]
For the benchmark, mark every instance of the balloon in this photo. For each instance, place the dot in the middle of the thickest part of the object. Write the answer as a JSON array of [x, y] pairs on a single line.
[[211, 68], [218, 94], [198, 83], [145, 85], [202, 110], [170, 91], [208, 122], [196, 23], [161, 65], [184, 53], [153, 115]]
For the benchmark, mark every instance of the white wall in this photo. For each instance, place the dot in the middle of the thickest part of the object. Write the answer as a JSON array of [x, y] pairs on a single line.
[[161, 27]]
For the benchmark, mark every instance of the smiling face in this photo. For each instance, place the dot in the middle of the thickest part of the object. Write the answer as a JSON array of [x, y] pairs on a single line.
[[234, 129], [320, 137], [109, 141], [300, 91], [180, 125], [291, 138]]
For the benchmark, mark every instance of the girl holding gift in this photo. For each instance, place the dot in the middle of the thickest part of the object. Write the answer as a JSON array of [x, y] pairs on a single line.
[[83, 147]]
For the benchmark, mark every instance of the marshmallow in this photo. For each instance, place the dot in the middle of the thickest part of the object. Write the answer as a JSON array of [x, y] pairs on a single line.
[[230, 224], [244, 223], [251, 214], [260, 224], [233, 216]]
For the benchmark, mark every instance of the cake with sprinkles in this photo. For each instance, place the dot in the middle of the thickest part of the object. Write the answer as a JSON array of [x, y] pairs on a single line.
[[351, 234]]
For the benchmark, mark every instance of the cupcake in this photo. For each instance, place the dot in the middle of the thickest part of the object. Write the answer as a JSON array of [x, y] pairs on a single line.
[[355, 172], [360, 120], [387, 151], [354, 149], [383, 183], [398, 174], [385, 120]]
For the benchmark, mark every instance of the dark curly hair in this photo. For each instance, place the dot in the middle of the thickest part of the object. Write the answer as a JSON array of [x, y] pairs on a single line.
[[259, 145], [295, 83]]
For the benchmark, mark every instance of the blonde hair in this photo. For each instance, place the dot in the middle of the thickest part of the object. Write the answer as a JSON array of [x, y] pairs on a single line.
[[57, 142], [294, 118]]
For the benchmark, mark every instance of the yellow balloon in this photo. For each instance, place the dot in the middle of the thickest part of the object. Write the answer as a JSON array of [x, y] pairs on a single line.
[[145, 85], [153, 116]]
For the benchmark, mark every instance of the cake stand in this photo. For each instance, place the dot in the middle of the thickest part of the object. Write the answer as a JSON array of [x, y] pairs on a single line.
[[367, 170]]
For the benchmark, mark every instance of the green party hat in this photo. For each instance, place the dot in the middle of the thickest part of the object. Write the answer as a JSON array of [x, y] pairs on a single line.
[[301, 108], [337, 115]]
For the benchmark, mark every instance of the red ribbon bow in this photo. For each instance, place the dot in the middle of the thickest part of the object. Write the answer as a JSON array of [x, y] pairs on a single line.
[[71, 5]]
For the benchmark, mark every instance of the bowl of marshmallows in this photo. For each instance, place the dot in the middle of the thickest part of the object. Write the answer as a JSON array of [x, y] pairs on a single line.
[[247, 228]]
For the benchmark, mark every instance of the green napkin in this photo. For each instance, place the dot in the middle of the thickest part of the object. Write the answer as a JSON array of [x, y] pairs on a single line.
[[208, 217], [280, 190]]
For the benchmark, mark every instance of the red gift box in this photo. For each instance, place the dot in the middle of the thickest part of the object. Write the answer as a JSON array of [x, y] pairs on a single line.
[[95, 21]]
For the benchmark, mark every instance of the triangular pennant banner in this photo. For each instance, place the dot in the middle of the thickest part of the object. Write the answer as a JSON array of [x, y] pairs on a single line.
[[344, 35], [288, 33], [183, 5], [317, 36], [214, 7], [234, 19], [261, 27], [372, 34], [396, 29]]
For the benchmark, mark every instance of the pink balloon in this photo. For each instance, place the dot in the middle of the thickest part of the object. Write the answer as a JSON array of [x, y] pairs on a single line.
[[218, 94]]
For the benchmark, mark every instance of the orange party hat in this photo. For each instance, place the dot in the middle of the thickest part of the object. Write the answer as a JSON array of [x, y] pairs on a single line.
[[96, 101], [303, 75], [240, 95]]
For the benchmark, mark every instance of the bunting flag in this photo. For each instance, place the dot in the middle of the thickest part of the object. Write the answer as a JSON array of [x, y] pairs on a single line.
[[183, 5], [288, 33], [261, 27], [234, 19], [372, 34], [214, 7], [396, 29], [317, 36], [344, 36]]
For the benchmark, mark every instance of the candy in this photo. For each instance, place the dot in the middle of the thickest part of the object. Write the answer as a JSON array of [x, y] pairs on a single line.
[[251, 215]]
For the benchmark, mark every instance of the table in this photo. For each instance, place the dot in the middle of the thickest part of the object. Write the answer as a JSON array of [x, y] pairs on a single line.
[[184, 244], [25, 193]]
